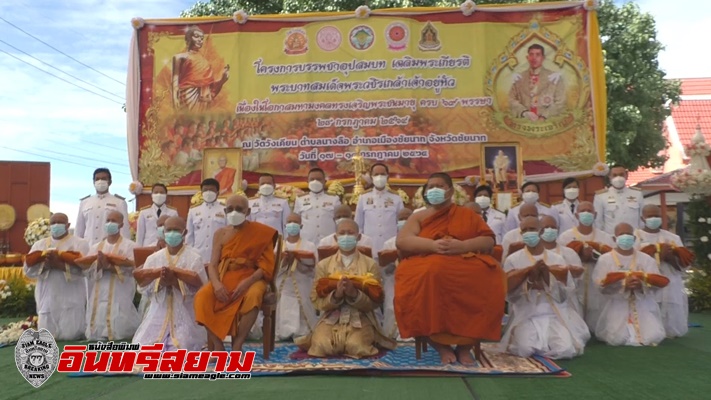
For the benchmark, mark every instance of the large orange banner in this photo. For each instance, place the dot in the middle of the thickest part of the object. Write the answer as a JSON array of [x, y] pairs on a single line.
[[422, 90]]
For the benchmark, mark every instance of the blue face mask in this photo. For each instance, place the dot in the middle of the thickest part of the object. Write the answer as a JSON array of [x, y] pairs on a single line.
[[435, 196], [347, 242], [549, 234], [625, 242], [400, 224], [161, 233], [531, 239], [111, 228], [57, 230], [173, 238], [653, 223], [293, 229], [586, 218]]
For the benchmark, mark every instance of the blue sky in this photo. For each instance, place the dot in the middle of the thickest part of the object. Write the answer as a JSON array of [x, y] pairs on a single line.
[[42, 116]]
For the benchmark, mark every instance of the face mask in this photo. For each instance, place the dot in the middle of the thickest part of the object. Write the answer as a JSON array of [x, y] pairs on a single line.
[[531, 239], [266, 190], [316, 186], [209, 196], [625, 242], [101, 186], [586, 218], [618, 182], [572, 193], [400, 224], [483, 201], [435, 196], [159, 198], [111, 228], [653, 223], [293, 229], [58, 230], [380, 181], [347, 242], [236, 218], [530, 197], [160, 232], [173, 238], [549, 234]]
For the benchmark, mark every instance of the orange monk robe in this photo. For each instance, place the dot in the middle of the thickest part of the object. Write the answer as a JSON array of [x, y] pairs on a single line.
[[226, 177], [195, 81], [251, 248], [453, 299]]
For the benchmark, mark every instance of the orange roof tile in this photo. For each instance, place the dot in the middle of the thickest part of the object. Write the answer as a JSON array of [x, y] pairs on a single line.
[[695, 86], [688, 115], [642, 175]]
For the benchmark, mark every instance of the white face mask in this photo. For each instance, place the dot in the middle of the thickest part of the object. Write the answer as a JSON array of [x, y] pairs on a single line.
[[618, 182], [530, 197], [266, 190], [159, 198], [101, 186], [483, 201], [236, 218], [571, 193], [316, 186], [209, 196], [380, 181]]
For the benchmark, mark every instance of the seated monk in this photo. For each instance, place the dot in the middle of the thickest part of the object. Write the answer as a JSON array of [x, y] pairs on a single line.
[[444, 290], [241, 266], [348, 325]]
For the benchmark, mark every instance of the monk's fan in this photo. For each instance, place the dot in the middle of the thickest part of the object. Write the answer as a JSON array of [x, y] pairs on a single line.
[[650, 279], [368, 285]]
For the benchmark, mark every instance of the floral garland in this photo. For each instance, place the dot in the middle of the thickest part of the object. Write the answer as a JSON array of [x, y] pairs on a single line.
[[36, 231], [697, 149], [11, 333], [288, 192], [460, 197], [696, 181], [133, 223]]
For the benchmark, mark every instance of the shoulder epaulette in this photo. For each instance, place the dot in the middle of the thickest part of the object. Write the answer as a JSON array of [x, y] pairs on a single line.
[[557, 202], [601, 191], [84, 198], [544, 204], [635, 188], [171, 207], [120, 197], [368, 191], [393, 191], [280, 196], [196, 205], [254, 198], [304, 194], [146, 207]]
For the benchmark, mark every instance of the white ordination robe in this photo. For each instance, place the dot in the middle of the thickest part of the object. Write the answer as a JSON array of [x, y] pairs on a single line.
[[170, 317], [628, 318], [673, 301], [388, 274], [590, 298], [572, 259], [60, 295], [543, 322], [296, 315], [110, 312]]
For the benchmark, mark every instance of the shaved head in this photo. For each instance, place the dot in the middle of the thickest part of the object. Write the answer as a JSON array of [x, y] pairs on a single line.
[[527, 210], [530, 224], [174, 224], [237, 203], [650, 211], [59, 218], [549, 222], [586, 206], [295, 218], [347, 227], [624, 229], [114, 216], [342, 211], [162, 219]]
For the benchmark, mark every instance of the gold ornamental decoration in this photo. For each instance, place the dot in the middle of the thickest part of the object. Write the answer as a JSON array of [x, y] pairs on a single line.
[[7, 217], [37, 211]]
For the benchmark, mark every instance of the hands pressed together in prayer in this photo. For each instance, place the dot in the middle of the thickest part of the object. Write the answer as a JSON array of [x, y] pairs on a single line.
[[103, 261], [633, 283], [53, 260], [539, 275], [168, 277], [345, 287], [587, 255], [667, 253]]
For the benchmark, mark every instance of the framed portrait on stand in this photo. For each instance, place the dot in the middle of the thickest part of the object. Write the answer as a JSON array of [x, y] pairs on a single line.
[[502, 169], [224, 165]]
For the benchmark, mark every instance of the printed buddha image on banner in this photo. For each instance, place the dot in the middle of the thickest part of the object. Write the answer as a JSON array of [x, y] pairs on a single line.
[[420, 92]]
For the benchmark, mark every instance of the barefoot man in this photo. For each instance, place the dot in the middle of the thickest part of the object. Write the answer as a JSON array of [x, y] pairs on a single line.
[[444, 290], [241, 266]]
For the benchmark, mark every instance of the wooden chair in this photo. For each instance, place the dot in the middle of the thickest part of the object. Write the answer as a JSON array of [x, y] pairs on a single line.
[[269, 304]]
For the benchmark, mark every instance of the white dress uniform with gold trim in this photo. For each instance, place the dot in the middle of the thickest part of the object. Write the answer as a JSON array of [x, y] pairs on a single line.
[[496, 221], [566, 214], [616, 206], [147, 226], [92, 216], [269, 210], [203, 221], [512, 221], [376, 215], [316, 210]]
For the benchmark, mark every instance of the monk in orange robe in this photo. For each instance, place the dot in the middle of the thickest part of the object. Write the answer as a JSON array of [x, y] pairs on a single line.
[[194, 86], [241, 266], [447, 288], [225, 175]]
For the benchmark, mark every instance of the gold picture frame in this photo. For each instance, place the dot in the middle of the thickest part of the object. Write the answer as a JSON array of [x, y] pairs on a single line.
[[229, 175], [502, 155]]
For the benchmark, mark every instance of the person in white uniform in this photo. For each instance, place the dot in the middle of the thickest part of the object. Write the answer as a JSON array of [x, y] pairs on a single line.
[[618, 203], [110, 313], [205, 219], [170, 278], [316, 208], [543, 323], [93, 210], [296, 315], [147, 226], [267, 208], [567, 209], [60, 293], [377, 209], [493, 217], [630, 316], [389, 251], [672, 299], [530, 194]]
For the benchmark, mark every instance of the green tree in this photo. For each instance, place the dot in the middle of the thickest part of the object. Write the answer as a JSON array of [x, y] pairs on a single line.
[[637, 93]]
